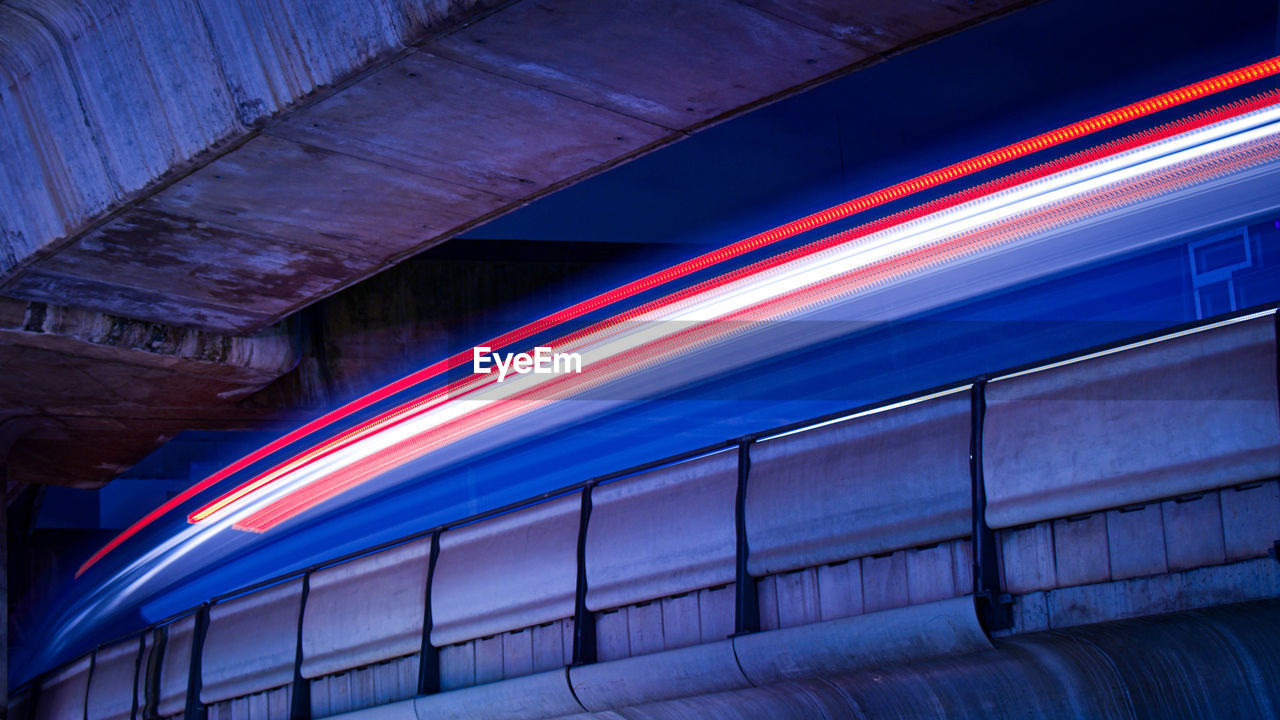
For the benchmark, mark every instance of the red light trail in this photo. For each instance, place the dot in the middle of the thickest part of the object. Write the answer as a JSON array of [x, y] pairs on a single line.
[[1128, 113]]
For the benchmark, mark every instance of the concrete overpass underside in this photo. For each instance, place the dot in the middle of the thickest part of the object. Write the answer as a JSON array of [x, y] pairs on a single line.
[[179, 178]]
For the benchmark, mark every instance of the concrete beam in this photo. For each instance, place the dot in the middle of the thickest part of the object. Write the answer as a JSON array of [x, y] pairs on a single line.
[[222, 164], [86, 394]]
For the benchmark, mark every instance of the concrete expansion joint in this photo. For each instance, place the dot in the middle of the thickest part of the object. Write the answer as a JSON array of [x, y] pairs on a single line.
[[568, 681], [738, 660]]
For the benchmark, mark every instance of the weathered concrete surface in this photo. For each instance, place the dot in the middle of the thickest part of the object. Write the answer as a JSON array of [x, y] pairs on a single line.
[[1205, 664], [218, 165], [173, 174], [83, 395]]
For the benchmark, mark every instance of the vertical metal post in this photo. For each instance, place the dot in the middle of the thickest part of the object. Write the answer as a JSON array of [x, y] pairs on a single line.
[[746, 599], [194, 710], [88, 683], [993, 605], [584, 621], [137, 675], [300, 700], [1275, 345], [151, 694], [429, 655]]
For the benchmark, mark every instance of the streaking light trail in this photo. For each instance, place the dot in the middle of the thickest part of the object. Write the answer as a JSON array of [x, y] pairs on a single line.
[[857, 262], [768, 290]]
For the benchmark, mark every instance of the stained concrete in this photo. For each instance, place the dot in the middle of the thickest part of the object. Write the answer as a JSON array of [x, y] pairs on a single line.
[[220, 165], [84, 395], [177, 177]]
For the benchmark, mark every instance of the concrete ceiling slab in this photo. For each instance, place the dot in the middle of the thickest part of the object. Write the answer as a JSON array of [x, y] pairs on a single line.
[[669, 62], [273, 187], [29, 384], [103, 101], [301, 196], [877, 27], [469, 128], [208, 266], [174, 176], [94, 393]]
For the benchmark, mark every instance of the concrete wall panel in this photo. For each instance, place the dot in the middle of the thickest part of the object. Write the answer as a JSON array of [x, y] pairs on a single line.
[[1193, 531], [672, 622], [348, 626], [905, 577], [1251, 519], [175, 666], [1027, 559], [1152, 595], [506, 573], [365, 687], [61, 695], [268, 705], [252, 643], [1136, 536], [869, 485], [1081, 550], [663, 532], [1160, 420], [111, 687]]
